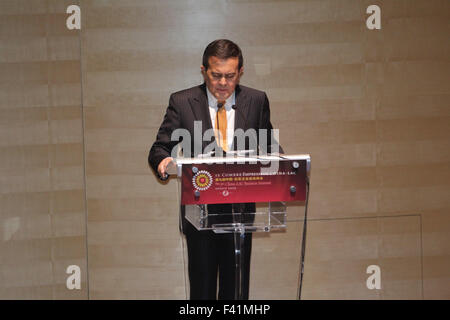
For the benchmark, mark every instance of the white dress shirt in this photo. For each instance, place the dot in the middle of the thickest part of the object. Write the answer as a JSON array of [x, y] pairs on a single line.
[[229, 103]]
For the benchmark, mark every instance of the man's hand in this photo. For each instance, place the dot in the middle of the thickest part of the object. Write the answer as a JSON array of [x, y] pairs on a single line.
[[162, 167]]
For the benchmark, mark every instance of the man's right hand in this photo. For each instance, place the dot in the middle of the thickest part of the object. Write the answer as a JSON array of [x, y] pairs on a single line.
[[162, 167]]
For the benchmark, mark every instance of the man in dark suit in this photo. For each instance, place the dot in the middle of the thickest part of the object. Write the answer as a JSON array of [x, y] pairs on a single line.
[[220, 103]]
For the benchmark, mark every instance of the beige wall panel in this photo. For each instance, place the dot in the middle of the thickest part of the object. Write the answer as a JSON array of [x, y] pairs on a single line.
[[23, 7], [67, 178], [121, 140], [262, 59], [124, 116], [124, 100], [413, 129], [25, 95], [68, 201], [421, 8], [413, 107], [418, 77], [24, 204], [340, 155], [133, 232], [436, 248], [23, 115], [23, 49], [24, 156], [436, 279], [404, 176], [350, 132], [64, 48], [24, 180], [68, 224], [319, 111], [345, 178], [124, 186], [36, 292], [70, 154], [296, 212], [28, 227], [105, 82], [135, 15], [42, 288], [146, 38], [133, 97], [21, 251], [339, 252], [313, 93], [135, 255], [66, 131], [42, 194], [414, 152], [65, 94], [24, 134], [34, 72], [342, 203], [311, 76], [435, 233], [137, 283], [135, 209], [102, 163], [21, 275], [23, 25], [413, 199]]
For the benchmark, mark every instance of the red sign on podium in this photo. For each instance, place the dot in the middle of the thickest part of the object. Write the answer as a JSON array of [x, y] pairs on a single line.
[[207, 183]]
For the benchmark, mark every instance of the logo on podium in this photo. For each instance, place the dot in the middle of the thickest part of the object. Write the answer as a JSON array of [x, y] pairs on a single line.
[[202, 180]]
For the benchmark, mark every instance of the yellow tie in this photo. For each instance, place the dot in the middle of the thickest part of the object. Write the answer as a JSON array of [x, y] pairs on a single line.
[[221, 124]]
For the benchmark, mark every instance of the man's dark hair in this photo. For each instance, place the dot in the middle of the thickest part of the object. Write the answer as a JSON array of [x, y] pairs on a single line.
[[222, 49]]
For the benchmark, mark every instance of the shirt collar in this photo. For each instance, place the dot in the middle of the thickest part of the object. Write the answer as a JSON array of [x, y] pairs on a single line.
[[212, 101]]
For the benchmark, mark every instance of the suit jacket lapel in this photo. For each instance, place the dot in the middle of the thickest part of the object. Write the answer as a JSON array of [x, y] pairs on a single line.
[[241, 112], [200, 108]]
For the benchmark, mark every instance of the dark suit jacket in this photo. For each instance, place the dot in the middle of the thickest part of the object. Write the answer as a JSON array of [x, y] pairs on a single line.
[[186, 106]]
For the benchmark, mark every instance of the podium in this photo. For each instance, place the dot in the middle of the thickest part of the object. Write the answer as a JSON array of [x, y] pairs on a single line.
[[269, 181]]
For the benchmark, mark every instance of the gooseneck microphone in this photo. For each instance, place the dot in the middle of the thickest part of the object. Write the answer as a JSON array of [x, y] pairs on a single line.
[[242, 114]]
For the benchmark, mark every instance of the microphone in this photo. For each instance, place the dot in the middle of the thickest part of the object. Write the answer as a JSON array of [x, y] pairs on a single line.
[[240, 112], [219, 106]]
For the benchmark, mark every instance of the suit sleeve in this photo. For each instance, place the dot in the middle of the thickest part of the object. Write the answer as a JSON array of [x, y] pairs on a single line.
[[271, 144], [163, 145]]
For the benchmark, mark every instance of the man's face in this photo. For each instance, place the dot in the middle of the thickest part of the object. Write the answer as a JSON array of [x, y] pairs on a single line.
[[222, 76]]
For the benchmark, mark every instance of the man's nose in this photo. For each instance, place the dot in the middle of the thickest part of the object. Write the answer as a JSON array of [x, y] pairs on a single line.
[[223, 81]]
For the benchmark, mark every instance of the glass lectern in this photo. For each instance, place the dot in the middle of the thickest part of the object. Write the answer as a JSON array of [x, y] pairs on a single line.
[[268, 181]]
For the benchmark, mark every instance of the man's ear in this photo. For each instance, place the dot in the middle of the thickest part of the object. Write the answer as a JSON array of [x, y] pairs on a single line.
[[203, 72], [241, 72]]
